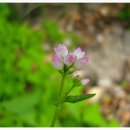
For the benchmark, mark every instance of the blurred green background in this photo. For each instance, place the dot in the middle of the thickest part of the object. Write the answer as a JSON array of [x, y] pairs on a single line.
[[28, 81]]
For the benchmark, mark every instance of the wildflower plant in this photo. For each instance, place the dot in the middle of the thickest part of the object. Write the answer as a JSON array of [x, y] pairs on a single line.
[[68, 63]]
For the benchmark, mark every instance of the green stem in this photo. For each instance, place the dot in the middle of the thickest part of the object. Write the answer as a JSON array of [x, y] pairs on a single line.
[[58, 101], [66, 94]]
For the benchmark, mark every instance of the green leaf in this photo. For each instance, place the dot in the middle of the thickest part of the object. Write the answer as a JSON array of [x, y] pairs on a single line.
[[93, 116], [23, 104], [78, 98]]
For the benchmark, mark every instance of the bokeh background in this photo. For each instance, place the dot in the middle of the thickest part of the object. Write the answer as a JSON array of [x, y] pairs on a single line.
[[28, 81]]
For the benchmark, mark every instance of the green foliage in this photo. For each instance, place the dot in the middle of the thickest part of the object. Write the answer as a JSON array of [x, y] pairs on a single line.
[[22, 104], [53, 35], [93, 116], [18, 54], [86, 115], [124, 14], [24, 76], [78, 98], [28, 82], [4, 11], [52, 32]]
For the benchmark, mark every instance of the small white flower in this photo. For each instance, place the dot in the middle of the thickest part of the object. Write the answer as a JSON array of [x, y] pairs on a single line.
[[84, 81], [79, 53]]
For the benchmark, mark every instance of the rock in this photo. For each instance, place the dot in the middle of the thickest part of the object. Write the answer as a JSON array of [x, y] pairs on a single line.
[[108, 55]]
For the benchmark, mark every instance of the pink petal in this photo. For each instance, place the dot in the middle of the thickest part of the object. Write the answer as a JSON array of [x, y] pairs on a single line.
[[61, 50], [79, 53], [57, 62], [69, 59], [81, 63]]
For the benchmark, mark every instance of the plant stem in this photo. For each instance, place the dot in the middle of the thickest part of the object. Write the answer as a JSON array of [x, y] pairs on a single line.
[[66, 94], [58, 101]]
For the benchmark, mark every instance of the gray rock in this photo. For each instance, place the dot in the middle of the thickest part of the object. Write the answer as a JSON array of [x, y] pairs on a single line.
[[109, 54]]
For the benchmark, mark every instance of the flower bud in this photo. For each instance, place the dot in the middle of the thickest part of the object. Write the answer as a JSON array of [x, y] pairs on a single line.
[[57, 62], [61, 50], [84, 81], [69, 59], [78, 52], [81, 63]]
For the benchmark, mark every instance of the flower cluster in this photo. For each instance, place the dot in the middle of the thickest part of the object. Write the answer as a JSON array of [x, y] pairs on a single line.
[[62, 57], [69, 64]]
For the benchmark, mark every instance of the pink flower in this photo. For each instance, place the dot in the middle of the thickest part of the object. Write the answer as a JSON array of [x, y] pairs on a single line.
[[69, 59], [81, 63], [57, 62], [62, 56], [61, 50], [78, 52]]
